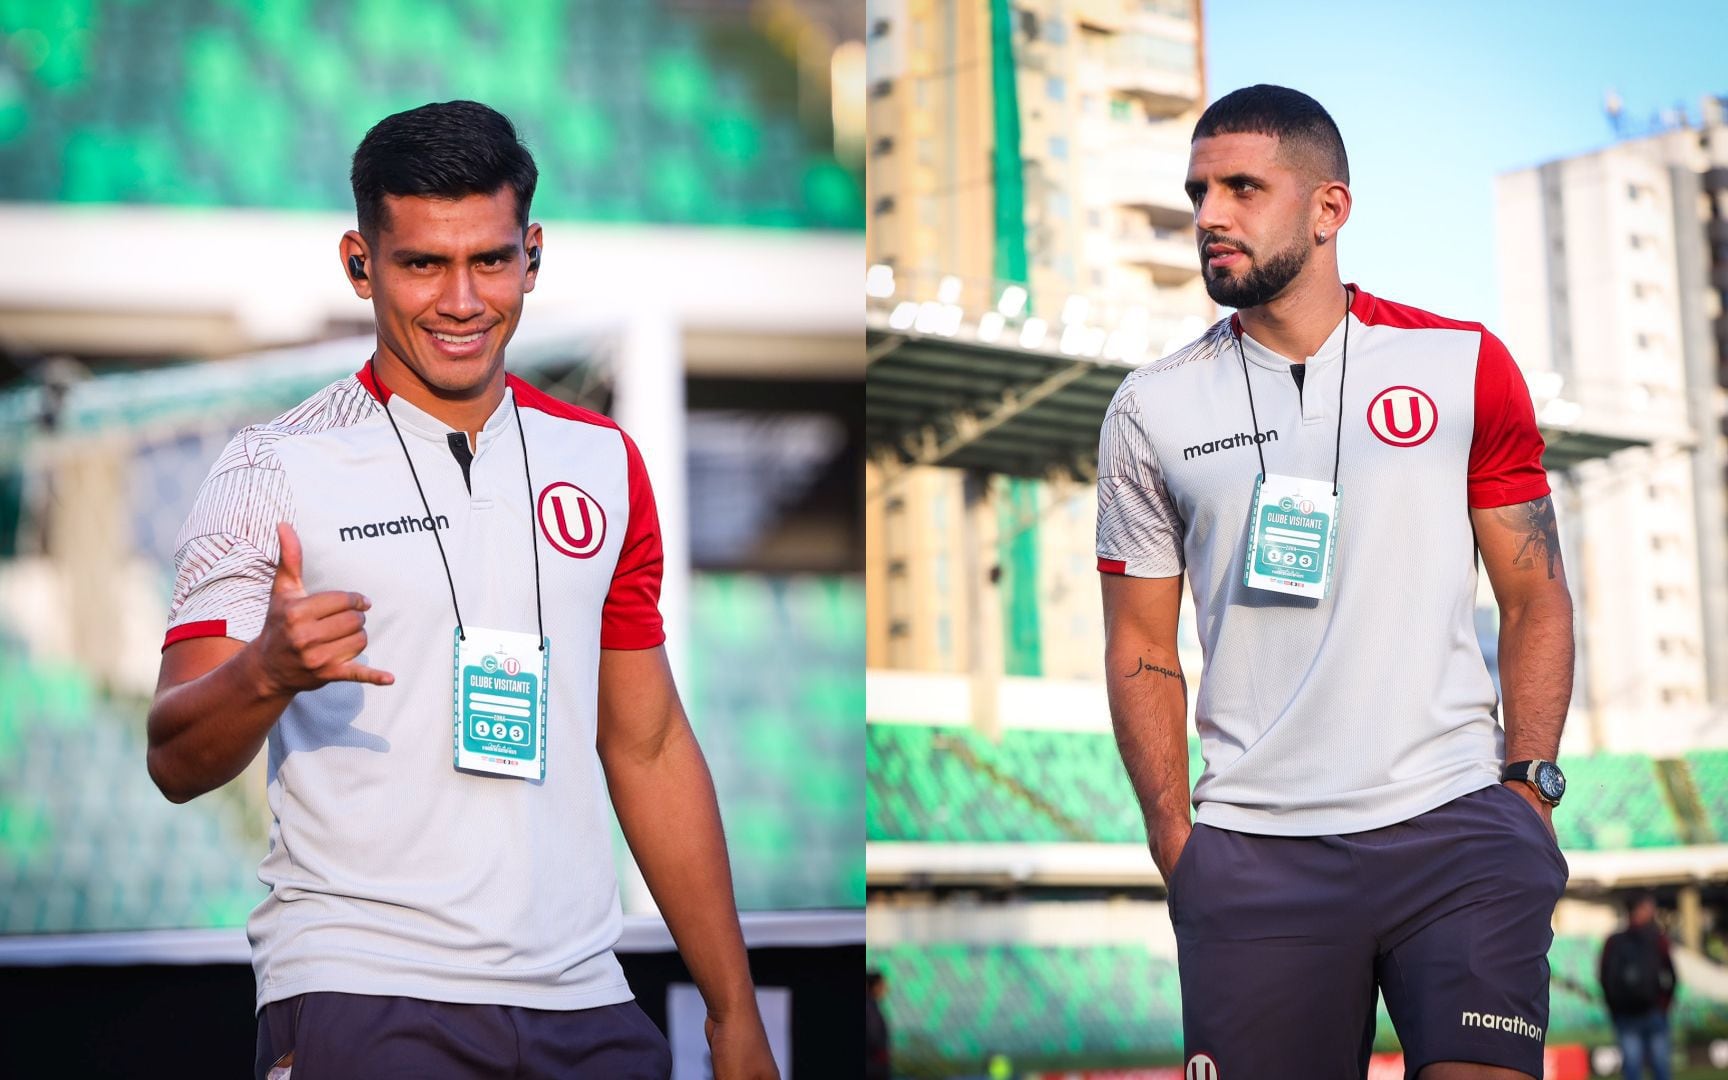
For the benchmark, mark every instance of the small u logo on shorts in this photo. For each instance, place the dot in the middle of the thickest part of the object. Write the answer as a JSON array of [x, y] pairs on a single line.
[[1201, 1067]]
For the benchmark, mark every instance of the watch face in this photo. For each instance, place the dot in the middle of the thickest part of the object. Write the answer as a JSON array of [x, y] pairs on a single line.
[[1550, 781]]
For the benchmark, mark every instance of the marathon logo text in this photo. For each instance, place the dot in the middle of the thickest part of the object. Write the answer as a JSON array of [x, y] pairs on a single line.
[[1517, 1025], [403, 524], [1229, 442]]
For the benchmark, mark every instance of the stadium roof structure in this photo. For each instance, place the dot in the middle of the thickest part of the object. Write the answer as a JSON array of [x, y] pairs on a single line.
[[943, 396]]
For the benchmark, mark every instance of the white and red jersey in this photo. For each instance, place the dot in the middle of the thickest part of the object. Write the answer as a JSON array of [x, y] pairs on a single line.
[[1374, 704], [389, 872]]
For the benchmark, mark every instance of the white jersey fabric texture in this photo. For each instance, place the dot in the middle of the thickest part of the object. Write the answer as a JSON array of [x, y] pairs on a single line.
[[391, 873], [1374, 704]]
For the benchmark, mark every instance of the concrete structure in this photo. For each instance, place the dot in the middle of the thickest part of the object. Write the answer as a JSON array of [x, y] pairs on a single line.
[[1613, 267], [1041, 146]]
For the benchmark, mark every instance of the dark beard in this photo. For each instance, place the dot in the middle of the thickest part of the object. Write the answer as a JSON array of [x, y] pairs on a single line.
[[1261, 283]]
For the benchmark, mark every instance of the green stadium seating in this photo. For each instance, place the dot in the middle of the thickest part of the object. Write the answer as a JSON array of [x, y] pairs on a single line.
[[951, 1004], [952, 784], [1059, 1007], [1709, 769], [88, 843], [776, 696], [1614, 801], [636, 112]]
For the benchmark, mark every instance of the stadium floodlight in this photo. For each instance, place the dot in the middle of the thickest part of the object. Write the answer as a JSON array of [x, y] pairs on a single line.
[[1074, 311], [1032, 333], [1073, 339], [1012, 302], [905, 313], [990, 326], [879, 281], [949, 324], [929, 317], [948, 290]]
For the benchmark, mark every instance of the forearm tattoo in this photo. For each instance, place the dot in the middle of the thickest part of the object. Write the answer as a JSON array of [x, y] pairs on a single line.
[[1144, 666], [1539, 542]]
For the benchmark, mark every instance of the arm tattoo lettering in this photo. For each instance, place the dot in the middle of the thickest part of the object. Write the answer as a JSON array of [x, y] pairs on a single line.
[[1144, 666], [1540, 540]]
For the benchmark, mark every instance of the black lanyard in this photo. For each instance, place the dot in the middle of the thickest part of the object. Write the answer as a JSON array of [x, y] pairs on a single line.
[[539, 618], [1343, 369]]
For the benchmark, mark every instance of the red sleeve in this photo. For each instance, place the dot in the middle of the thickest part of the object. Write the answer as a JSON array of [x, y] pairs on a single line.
[[1506, 449], [631, 616]]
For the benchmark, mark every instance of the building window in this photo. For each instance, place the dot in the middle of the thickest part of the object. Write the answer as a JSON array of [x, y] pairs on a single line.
[[884, 205], [883, 145], [939, 571], [1121, 110], [1056, 88], [1636, 241], [1059, 147], [879, 28], [944, 636], [881, 88]]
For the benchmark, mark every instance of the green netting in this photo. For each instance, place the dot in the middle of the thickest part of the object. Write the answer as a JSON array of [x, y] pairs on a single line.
[[1017, 554], [1009, 188], [634, 112]]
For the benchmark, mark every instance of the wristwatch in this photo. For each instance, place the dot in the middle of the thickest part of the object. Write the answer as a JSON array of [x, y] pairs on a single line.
[[1544, 776]]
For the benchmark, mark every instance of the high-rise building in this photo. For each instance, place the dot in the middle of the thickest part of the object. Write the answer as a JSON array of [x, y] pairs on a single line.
[[1025, 160], [1613, 271]]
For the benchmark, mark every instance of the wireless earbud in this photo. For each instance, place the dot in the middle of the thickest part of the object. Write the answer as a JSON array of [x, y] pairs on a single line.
[[356, 268], [533, 259]]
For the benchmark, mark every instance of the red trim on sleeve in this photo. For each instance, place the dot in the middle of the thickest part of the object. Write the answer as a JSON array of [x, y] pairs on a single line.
[[1112, 566], [1506, 448], [206, 628], [631, 616], [374, 387]]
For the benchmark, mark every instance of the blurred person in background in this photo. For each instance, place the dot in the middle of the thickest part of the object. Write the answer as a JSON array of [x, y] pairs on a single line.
[[876, 1041], [433, 592], [1638, 983], [1364, 820]]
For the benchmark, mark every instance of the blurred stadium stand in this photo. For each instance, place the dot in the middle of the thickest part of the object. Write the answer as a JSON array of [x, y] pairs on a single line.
[[180, 172], [633, 116]]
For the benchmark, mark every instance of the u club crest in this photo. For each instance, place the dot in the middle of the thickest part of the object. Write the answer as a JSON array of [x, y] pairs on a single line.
[[1402, 416], [572, 520]]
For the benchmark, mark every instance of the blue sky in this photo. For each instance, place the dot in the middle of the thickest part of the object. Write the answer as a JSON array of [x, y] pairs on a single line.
[[1434, 100]]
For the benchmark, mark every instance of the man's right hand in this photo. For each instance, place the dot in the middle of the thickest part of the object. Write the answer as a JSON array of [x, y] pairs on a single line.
[[1167, 848], [308, 641]]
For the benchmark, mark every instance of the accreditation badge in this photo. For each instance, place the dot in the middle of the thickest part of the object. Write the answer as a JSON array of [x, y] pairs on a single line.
[[500, 702], [1292, 536]]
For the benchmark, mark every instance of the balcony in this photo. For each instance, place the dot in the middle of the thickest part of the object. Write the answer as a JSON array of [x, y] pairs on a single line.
[[1160, 70], [1148, 180], [1169, 253]]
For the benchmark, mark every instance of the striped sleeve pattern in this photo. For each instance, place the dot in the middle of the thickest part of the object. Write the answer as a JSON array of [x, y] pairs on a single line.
[[225, 556], [226, 552], [1139, 529]]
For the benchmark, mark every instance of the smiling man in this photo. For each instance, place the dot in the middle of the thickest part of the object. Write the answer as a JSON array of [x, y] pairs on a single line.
[[432, 591], [1324, 468]]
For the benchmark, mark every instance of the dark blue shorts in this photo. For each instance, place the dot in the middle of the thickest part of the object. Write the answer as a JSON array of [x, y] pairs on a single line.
[[1282, 941], [361, 1037]]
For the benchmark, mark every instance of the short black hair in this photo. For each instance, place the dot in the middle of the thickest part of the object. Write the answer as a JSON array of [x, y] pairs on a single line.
[[445, 150], [1290, 116]]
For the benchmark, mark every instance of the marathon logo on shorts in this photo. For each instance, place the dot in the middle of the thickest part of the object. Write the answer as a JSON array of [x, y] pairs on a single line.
[[1229, 442], [1517, 1025], [1201, 1067], [403, 524]]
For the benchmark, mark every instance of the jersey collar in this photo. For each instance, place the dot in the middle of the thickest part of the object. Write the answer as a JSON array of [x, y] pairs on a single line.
[[1331, 349], [422, 423]]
